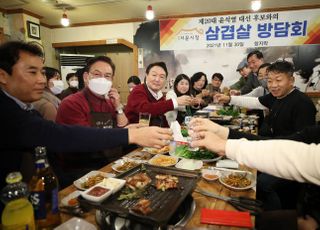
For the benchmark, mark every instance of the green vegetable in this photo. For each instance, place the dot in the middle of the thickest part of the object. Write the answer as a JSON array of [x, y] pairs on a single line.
[[228, 111], [184, 132], [183, 151], [129, 194]]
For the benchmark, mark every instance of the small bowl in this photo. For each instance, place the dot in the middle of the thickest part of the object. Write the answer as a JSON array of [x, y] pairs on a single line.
[[96, 193], [113, 184], [210, 175]]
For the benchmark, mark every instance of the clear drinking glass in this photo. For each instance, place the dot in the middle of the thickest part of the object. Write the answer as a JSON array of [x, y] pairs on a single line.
[[187, 120], [144, 118]]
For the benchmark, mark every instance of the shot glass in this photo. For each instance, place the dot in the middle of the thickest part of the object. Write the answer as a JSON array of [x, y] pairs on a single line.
[[144, 118]]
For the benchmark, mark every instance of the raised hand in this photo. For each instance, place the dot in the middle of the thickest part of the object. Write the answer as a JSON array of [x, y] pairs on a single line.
[[209, 141], [184, 100], [221, 98], [157, 137], [205, 125]]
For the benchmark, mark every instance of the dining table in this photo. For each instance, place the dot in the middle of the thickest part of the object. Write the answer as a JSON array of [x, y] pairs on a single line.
[[201, 201]]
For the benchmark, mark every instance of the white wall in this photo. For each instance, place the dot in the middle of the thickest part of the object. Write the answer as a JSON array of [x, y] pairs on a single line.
[[87, 33]]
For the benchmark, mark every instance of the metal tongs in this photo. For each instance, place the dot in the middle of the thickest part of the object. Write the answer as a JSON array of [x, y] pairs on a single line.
[[253, 206]]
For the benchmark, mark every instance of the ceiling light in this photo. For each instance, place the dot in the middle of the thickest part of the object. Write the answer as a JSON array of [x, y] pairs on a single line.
[[65, 20], [256, 5], [149, 13]]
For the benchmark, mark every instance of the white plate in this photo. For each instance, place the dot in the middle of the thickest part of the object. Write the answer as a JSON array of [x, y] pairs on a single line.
[[78, 183], [163, 160], [140, 156], [121, 162], [65, 200], [86, 194], [248, 175], [114, 184], [154, 151], [76, 223], [189, 164]]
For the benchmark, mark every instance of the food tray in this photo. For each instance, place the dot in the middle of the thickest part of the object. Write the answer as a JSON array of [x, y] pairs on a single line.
[[163, 203]]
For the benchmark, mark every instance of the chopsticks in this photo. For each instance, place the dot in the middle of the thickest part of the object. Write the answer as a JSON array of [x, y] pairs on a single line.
[[227, 170]]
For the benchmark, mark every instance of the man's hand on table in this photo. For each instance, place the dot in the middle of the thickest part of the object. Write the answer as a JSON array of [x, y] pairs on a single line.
[[150, 136]]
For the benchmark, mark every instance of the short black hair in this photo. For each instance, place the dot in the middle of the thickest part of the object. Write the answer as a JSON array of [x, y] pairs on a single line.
[[255, 52], [134, 79], [160, 64], [217, 75], [70, 75], [196, 77], [176, 82], [50, 72], [10, 53], [105, 59], [281, 67], [264, 65]]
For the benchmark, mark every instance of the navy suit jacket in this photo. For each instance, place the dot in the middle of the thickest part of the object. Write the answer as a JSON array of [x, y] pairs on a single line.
[[21, 131]]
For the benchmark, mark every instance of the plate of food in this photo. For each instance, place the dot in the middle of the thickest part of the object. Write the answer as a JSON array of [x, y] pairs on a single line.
[[183, 151], [163, 160], [124, 165], [71, 200], [139, 156], [238, 180], [154, 151], [90, 179]]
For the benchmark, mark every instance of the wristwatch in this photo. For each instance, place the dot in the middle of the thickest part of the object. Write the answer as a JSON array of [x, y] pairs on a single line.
[[119, 110]]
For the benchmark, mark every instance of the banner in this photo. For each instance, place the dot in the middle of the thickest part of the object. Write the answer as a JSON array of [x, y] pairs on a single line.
[[286, 28]]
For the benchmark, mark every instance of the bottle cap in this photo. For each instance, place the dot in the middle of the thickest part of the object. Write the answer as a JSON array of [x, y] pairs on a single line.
[[13, 177]]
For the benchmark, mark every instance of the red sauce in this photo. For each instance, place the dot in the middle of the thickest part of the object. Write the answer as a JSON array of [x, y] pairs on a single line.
[[97, 191], [210, 176]]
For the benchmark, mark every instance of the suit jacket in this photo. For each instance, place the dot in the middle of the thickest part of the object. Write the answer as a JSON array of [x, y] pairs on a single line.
[[21, 131]]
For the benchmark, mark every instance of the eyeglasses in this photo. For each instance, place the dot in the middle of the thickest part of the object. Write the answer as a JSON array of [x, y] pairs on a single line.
[[100, 75]]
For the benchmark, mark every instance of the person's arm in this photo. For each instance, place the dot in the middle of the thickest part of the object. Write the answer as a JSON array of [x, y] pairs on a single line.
[[30, 131], [171, 116], [248, 102], [256, 92], [282, 158]]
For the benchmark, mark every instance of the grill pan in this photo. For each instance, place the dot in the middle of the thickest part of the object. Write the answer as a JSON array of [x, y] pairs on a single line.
[[163, 203]]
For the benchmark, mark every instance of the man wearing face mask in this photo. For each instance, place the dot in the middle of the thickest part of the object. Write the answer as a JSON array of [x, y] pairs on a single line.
[[73, 82], [97, 105], [48, 105]]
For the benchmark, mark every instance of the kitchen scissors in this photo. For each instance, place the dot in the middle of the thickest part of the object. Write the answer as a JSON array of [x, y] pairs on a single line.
[[253, 206]]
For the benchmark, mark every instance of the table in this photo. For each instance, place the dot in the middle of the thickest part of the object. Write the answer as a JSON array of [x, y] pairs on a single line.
[[201, 200]]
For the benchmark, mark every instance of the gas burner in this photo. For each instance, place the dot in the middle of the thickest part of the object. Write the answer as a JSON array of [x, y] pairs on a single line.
[[180, 218]]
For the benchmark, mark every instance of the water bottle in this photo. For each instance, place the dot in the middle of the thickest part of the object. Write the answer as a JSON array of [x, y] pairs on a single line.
[[18, 212], [44, 192]]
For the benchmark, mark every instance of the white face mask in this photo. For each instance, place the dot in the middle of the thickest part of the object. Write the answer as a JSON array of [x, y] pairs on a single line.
[[74, 83], [57, 87], [100, 86]]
